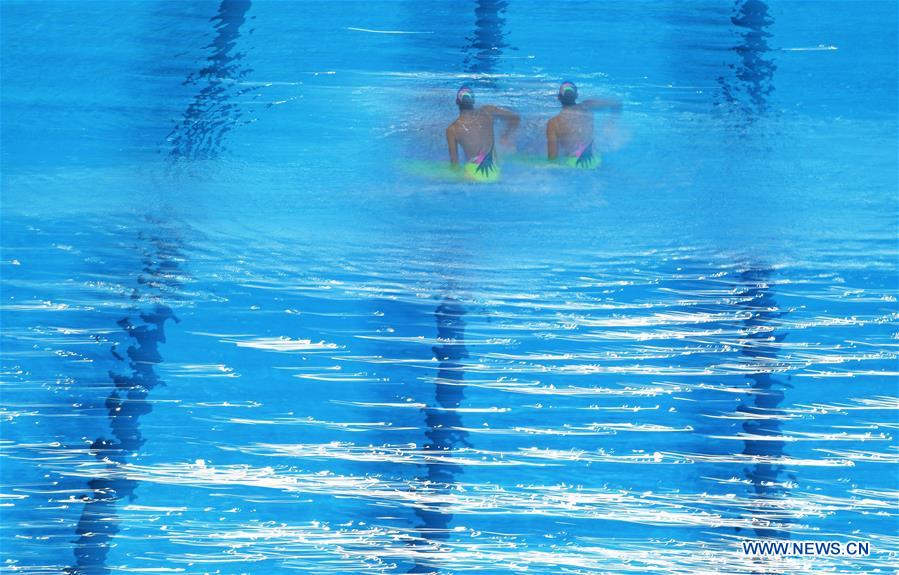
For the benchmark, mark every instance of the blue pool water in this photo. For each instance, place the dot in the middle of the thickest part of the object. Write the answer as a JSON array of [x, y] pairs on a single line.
[[249, 327]]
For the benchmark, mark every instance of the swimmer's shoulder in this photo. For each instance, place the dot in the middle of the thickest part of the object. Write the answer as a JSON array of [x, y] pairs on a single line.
[[490, 112], [581, 109], [557, 124]]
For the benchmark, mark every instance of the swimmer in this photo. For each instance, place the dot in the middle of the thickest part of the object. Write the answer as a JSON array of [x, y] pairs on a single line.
[[473, 130], [571, 131]]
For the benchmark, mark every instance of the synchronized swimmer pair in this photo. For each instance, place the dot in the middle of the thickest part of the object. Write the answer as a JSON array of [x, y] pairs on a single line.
[[570, 133]]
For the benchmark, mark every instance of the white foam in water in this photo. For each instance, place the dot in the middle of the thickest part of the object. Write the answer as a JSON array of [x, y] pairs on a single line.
[[355, 29]]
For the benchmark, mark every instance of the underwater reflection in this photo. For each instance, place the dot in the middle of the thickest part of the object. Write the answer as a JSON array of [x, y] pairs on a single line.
[[759, 349], [487, 42], [214, 110], [444, 425], [143, 331], [751, 84]]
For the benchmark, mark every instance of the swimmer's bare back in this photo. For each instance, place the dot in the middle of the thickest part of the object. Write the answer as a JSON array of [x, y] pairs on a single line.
[[572, 129], [473, 130]]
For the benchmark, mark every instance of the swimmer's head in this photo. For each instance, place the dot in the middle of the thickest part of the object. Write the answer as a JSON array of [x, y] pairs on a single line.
[[465, 98], [568, 93]]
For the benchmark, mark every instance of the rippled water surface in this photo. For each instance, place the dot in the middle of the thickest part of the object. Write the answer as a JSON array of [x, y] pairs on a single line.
[[248, 327]]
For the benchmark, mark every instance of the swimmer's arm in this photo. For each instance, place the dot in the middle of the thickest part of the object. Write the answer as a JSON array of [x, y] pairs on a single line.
[[509, 118], [552, 143], [612, 105], [453, 146]]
